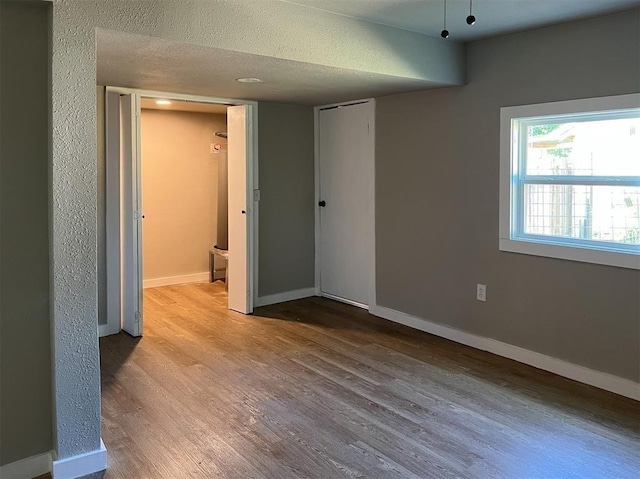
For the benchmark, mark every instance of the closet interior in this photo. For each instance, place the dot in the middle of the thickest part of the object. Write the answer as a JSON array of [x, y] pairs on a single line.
[[184, 187]]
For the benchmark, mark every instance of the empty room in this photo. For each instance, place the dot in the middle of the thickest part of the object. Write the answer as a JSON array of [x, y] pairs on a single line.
[[431, 211]]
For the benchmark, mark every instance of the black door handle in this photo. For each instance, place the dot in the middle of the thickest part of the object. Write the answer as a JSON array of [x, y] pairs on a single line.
[[322, 203]]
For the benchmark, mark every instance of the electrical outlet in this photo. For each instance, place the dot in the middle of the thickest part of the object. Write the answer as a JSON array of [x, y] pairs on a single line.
[[481, 294]]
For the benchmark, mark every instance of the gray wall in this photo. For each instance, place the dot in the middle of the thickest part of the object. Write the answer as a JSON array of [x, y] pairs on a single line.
[[25, 352], [437, 167], [286, 253]]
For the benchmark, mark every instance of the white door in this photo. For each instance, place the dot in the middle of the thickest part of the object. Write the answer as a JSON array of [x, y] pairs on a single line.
[[240, 209], [131, 215], [346, 167]]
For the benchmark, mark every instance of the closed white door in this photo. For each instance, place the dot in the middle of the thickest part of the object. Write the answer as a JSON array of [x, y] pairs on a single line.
[[346, 171]]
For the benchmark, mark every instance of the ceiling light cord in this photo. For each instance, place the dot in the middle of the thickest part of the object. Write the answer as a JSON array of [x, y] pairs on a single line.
[[444, 33], [471, 19]]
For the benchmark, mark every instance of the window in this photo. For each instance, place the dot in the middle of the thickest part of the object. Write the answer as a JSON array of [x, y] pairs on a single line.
[[570, 180]]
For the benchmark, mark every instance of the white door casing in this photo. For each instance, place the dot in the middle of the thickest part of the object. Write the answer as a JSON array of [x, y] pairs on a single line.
[[345, 155]]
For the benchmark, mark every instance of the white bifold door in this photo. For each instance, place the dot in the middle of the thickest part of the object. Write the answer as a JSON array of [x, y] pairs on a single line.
[[131, 215], [238, 271], [346, 202]]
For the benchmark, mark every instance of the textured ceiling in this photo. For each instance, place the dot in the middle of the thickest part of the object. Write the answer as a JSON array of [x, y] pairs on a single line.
[[494, 17], [137, 61], [382, 60]]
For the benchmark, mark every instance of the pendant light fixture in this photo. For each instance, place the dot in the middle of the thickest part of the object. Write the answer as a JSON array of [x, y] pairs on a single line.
[[444, 33], [471, 19]]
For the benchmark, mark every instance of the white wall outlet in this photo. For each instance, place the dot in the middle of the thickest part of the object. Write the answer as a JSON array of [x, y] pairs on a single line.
[[481, 294]]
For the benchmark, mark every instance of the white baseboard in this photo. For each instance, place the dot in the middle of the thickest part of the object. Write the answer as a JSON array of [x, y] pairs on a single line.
[[27, 468], [81, 465], [601, 380], [170, 280], [283, 297]]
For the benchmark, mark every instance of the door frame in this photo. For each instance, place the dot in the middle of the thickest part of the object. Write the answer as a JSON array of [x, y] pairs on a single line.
[[372, 197], [252, 193]]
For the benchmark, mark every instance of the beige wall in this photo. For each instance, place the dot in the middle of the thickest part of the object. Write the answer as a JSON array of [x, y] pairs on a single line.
[[179, 185]]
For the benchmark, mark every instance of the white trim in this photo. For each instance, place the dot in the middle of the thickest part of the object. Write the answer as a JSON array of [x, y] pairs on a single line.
[[601, 380], [344, 300], [81, 465], [284, 297], [511, 239], [576, 253], [180, 96], [316, 163], [171, 280], [27, 468]]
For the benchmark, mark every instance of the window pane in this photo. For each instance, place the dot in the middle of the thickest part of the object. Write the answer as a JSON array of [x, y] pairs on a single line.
[[598, 213], [585, 148]]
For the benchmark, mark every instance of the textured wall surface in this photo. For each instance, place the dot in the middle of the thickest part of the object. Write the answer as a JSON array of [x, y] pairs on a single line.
[[437, 168], [179, 191], [74, 248], [286, 255], [25, 340]]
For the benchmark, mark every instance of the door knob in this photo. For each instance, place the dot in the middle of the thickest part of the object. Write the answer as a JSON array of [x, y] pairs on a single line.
[[244, 212], [322, 203]]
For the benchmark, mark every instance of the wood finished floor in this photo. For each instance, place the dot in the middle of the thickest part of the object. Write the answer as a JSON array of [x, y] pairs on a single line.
[[318, 389]]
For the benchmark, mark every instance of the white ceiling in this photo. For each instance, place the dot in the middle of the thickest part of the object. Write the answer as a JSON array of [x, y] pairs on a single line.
[[151, 63], [494, 17]]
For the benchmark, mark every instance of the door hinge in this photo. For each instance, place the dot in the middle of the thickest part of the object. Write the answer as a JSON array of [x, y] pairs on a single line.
[[137, 316]]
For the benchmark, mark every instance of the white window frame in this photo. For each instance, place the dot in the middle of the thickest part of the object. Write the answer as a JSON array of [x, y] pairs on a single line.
[[512, 238]]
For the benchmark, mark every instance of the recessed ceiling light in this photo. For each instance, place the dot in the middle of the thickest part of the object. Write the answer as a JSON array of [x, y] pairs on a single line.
[[163, 102], [249, 80]]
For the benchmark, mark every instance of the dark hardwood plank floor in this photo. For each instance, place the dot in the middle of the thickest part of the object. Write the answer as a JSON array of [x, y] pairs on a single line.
[[317, 389]]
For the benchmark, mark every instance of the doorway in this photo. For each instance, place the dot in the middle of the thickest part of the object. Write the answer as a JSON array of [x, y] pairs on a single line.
[[184, 192], [182, 233]]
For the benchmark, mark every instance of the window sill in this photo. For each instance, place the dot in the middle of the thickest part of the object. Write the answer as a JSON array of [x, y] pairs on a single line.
[[571, 253]]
